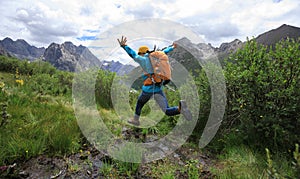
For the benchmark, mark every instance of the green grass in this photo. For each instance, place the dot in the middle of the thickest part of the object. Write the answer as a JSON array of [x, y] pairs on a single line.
[[7, 78], [164, 168], [38, 118], [36, 124], [239, 162], [35, 129], [243, 162]]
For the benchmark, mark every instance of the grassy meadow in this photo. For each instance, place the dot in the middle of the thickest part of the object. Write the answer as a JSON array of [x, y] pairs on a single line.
[[258, 138]]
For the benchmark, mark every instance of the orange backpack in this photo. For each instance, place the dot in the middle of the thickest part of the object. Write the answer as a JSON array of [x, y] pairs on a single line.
[[161, 69]]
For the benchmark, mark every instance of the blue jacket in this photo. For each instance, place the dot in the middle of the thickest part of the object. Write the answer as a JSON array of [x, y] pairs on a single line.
[[145, 63]]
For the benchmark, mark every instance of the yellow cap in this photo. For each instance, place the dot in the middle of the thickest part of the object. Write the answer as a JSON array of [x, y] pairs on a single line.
[[143, 49]]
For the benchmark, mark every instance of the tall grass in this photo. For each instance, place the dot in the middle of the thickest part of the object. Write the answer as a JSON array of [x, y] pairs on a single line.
[[240, 162], [244, 162], [36, 129], [37, 123]]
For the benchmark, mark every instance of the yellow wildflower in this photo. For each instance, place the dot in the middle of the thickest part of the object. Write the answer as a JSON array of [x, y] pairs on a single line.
[[17, 73], [2, 84], [21, 82]]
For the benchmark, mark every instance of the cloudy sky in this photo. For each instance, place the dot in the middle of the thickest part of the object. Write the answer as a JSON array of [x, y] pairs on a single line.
[[81, 21]]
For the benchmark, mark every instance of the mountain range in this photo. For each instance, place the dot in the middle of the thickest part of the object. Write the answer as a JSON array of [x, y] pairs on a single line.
[[20, 49], [65, 56]]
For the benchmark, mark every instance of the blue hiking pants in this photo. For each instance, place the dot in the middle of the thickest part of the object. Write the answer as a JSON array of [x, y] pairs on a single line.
[[160, 99]]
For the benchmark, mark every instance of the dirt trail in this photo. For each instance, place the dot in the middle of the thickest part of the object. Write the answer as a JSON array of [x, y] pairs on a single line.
[[90, 163]]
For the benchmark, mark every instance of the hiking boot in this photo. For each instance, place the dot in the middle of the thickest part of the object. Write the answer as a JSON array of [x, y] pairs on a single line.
[[135, 121], [184, 110]]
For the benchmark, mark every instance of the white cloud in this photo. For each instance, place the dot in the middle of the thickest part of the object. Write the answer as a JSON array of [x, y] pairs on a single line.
[[258, 17], [46, 21]]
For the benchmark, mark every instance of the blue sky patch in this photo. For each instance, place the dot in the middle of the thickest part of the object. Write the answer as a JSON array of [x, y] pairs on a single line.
[[85, 38]]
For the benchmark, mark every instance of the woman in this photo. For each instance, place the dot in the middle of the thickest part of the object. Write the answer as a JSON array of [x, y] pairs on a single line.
[[152, 88]]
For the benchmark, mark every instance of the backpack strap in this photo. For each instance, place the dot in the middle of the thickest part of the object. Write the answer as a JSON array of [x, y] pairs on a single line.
[[154, 49], [150, 80], [153, 79]]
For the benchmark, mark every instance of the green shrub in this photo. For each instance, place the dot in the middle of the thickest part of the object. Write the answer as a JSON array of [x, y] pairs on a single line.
[[204, 93], [8, 64], [104, 82], [263, 93]]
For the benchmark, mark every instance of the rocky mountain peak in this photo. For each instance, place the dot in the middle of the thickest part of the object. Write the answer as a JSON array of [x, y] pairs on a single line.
[[67, 56], [184, 40], [230, 46], [22, 42], [284, 31], [7, 40], [68, 45], [21, 49]]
